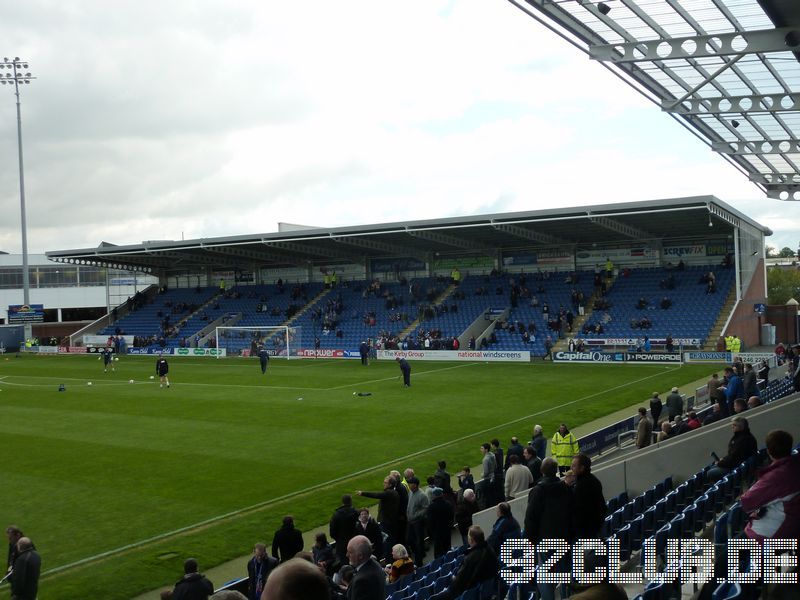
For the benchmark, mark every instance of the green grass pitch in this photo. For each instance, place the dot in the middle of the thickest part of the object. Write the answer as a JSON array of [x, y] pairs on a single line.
[[117, 483]]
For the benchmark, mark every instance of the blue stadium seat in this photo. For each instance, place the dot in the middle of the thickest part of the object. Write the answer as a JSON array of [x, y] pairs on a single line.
[[656, 590], [727, 591], [471, 594], [721, 531], [736, 520]]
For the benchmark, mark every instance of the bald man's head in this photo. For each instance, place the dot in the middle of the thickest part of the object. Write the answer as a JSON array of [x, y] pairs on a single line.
[[359, 550], [24, 544], [296, 579]]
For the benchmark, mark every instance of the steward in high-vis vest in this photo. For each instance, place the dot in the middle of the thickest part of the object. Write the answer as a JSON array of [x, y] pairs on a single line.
[[563, 447]]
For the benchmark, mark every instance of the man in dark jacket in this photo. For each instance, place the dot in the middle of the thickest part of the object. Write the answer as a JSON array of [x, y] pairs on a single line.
[[531, 460], [287, 541], [505, 527], [514, 448], [258, 569], [742, 446], [466, 507], [589, 503], [480, 564], [655, 408], [13, 533], [343, 526], [193, 585], [674, 404], [440, 522], [369, 579], [27, 568], [549, 516], [388, 511]]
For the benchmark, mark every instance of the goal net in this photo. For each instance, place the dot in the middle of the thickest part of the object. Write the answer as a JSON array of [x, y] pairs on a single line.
[[280, 341]]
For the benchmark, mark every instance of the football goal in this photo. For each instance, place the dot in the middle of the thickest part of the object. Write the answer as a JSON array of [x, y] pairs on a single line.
[[280, 341]]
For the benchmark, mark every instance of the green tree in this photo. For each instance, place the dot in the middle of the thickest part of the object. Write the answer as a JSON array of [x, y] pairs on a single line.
[[782, 284], [786, 252], [772, 252]]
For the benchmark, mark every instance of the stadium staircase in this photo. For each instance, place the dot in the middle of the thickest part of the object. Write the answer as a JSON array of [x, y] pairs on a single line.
[[562, 345], [716, 331], [313, 302], [412, 327]]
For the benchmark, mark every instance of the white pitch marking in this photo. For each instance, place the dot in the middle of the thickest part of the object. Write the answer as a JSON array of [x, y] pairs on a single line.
[[330, 482]]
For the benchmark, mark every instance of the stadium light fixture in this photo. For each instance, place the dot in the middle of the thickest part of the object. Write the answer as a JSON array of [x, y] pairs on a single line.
[[603, 8], [14, 75]]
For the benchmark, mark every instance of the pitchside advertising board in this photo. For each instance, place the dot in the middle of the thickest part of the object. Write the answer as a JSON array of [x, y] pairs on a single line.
[[214, 352], [634, 341], [617, 357], [457, 355], [589, 357], [708, 357]]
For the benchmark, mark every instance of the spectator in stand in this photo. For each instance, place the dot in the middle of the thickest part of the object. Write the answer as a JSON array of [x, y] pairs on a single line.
[[297, 579], [533, 462], [25, 571], [674, 404], [369, 581], [739, 406], [287, 541], [644, 430], [486, 486], [656, 406], [715, 414], [773, 501], [342, 527], [563, 447], [479, 564], [665, 303], [388, 510], [258, 569], [465, 508], [440, 516], [416, 513], [665, 433], [749, 381], [368, 527], [322, 553], [505, 527], [465, 479], [192, 586], [589, 505], [714, 391], [13, 533], [401, 564], [498, 469], [763, 372], [692, 422], [539, 442], [550, 515], [442, 479], [514, 448], [679, 426], [742, 446], [753, 402], [518, 478]]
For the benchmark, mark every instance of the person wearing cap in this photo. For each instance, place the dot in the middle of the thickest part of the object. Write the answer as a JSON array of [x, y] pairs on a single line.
[[415, 513], [674, 404], [440, 516], [741, 446], [656, 406]]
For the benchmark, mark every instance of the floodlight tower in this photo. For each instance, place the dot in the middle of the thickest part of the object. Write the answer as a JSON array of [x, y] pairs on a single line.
[[15, 76]]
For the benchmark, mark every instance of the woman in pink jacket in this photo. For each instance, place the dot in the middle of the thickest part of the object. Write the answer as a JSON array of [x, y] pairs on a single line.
[[773, 502]]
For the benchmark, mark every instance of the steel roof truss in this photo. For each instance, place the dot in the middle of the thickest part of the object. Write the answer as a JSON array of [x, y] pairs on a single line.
[[621, 228], [757, 103], [699, 46], [389, 249]]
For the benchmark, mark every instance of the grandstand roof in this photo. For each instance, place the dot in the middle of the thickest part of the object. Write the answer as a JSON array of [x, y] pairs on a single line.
[[652, 221], [726, 69]]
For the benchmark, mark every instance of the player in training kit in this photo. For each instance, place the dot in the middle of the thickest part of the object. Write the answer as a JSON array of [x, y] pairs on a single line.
[[405, 369], [108, 357], [162, 368], [263, 357]]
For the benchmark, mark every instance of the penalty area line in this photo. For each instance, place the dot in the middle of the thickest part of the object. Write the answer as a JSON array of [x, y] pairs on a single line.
[[266, 503]]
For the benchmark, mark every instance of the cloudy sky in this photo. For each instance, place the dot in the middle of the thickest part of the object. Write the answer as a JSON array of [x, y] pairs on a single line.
[[199, 118]]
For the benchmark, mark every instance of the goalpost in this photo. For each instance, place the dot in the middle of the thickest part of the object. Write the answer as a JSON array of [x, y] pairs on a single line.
[[280, 341]]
